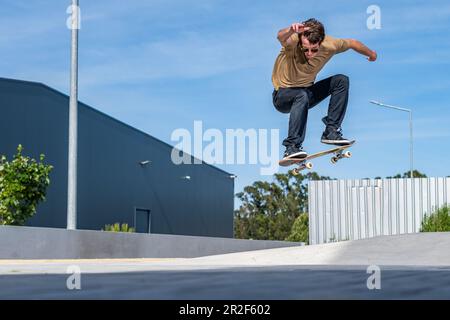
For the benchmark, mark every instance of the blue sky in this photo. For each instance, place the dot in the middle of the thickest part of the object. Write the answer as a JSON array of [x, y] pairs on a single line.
[[160, 65]]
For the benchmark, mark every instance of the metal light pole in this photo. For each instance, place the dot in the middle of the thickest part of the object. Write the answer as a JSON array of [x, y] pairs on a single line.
[[73, 124], [410, 129]]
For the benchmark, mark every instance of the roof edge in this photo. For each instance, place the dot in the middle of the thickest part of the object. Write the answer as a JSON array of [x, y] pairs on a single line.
[[40, 84]]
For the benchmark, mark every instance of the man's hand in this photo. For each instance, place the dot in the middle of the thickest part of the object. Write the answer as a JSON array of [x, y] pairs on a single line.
[[372, 56], [298, 28], [284, 35]]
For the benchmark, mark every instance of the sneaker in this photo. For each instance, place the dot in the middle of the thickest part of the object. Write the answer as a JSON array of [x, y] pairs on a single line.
[[332, 136], [292, 152]]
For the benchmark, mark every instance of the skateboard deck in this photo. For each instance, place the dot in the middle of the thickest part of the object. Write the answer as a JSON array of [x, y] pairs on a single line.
[[303, 163]]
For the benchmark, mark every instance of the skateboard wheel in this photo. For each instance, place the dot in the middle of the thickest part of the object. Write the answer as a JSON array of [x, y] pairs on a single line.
[[347, 154], [308, 165], [295, 172], [334, 160]]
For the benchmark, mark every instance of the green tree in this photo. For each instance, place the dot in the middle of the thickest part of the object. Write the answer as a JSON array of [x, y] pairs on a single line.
[[438, 221], [268, 209], [407, 174], [300, 229], [23, 184]]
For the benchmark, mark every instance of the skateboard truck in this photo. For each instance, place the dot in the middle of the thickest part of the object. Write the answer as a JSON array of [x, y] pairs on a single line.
[[340, 155], [303, 166]]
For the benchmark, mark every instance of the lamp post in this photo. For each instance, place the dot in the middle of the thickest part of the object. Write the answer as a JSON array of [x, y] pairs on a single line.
[[410, 129], [73, 123]]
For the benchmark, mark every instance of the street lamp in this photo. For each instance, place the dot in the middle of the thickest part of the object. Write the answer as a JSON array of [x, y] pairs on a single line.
[[73, 123], [410, 129]]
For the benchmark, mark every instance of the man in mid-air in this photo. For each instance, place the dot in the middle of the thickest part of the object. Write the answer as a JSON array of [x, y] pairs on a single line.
[[305, 50]]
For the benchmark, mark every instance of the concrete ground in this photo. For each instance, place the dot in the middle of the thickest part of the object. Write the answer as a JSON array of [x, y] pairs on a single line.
[[415, 266]]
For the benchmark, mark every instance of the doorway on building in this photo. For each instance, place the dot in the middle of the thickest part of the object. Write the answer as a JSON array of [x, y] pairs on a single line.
[[142, 220]]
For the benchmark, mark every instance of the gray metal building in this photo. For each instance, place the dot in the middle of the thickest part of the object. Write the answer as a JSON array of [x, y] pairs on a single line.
[[113, 185]]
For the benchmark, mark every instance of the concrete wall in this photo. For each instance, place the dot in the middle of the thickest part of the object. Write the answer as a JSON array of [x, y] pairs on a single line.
[[111, 181], [46, 243]]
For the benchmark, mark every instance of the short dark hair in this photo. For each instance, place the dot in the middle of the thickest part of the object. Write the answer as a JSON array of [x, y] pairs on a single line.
[[316, 32]]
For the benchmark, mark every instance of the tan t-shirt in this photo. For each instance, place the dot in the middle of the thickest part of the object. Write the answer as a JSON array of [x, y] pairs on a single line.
[[291, 68]]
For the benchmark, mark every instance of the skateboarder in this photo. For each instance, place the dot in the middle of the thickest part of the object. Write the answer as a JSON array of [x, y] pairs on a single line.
[[305, 50]]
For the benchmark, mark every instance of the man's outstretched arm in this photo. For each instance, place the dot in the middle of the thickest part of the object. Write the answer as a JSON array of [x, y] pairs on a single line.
[[362, 49]]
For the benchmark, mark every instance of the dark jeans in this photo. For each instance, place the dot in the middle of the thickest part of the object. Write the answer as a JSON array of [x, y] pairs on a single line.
[[297, 102]]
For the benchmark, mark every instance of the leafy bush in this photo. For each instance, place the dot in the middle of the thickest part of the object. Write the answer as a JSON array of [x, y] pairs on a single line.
[[438, 221], [117, 227], [23, 184], [300, 229]]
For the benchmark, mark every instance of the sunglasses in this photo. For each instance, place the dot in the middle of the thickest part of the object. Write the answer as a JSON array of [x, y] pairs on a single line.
[[315, 50]]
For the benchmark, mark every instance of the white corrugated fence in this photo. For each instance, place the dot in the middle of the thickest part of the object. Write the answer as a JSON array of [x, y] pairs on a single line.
[[357, 209]]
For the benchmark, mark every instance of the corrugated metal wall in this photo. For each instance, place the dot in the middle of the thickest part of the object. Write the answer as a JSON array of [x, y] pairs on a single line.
[[357, 209]]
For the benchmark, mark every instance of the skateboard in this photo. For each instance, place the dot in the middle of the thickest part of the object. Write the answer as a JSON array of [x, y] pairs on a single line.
[[303, 163]]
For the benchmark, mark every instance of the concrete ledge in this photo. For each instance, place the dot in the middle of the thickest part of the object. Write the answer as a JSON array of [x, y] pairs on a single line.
[[47, 243]]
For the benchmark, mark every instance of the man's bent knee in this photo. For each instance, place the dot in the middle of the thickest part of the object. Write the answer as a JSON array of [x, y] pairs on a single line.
[[342, 79], [302, 99]]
